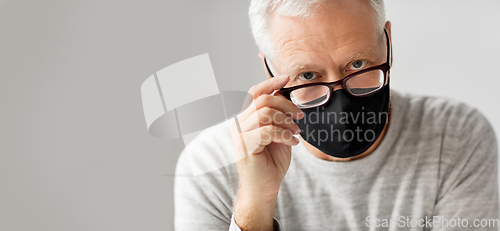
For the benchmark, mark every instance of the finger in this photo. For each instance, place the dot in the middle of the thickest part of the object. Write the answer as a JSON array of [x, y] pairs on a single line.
[[279, 103], [256, 140], [278, 93], [269, 86], [269, 116]]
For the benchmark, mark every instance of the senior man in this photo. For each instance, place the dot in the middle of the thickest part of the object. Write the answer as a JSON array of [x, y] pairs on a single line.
[[366, 157]]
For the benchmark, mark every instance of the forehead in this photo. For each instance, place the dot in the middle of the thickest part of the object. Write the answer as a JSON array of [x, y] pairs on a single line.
[[343, 28]]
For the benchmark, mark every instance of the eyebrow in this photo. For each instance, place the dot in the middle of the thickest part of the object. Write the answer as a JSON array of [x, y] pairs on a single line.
[[362, 53], [295, 68]]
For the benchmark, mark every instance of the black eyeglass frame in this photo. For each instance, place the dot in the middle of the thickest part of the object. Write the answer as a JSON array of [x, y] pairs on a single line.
[[385, 67]]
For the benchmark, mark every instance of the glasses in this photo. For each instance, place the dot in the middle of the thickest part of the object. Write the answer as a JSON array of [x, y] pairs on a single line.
[[358, 84]]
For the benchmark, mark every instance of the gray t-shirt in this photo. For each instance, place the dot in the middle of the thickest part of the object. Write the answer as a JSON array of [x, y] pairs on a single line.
[[436, 166]]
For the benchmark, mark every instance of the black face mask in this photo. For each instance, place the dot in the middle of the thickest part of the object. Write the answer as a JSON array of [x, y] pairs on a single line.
[[346, 126]]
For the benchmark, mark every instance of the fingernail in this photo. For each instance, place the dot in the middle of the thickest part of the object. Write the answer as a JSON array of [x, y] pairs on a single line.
[[283, 77], [297, 131]]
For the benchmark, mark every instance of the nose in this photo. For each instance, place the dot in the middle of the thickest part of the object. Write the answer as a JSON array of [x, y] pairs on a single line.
[[338, 87], [337, 77]]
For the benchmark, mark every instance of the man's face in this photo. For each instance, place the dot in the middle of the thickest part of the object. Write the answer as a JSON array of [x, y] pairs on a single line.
[[338, 39]]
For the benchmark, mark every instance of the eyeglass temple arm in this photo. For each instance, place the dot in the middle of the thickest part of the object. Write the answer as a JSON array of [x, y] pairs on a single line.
[[267, 67], [389, 55]]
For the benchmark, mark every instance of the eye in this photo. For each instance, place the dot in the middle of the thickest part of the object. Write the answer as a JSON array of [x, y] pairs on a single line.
[[358, 65], [307, 76]]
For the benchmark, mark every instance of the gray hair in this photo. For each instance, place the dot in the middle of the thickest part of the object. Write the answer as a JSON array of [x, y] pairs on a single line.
[[260, 11]]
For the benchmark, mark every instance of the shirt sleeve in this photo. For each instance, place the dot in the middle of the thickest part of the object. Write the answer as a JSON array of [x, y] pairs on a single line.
[[235, 227], [202, 202], [468, 178]]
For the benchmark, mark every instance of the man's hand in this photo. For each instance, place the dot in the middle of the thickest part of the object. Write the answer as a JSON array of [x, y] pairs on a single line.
[[264, 146]]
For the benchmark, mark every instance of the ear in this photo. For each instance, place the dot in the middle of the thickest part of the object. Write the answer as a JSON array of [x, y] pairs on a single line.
[[261, 56], [388, 28]]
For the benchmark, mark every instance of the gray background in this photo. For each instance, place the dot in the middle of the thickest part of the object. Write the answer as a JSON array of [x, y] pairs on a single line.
[[75, 153]]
